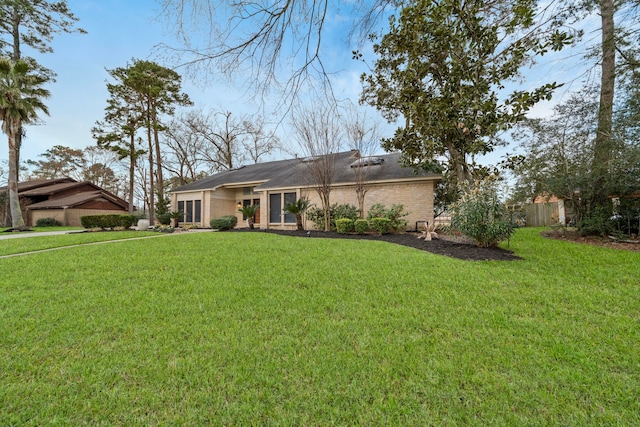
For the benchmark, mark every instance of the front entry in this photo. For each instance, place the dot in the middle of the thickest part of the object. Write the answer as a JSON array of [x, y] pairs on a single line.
[[248, 202]]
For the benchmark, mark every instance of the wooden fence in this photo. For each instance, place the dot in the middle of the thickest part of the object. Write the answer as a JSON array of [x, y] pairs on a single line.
[[542, 214]]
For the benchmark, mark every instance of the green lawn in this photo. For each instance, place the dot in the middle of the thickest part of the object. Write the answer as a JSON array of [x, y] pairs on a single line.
[[31, 243], [260, 329]]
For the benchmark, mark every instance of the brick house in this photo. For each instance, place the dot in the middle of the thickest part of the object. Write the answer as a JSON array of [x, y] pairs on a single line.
[[65, 200], [274, 184]]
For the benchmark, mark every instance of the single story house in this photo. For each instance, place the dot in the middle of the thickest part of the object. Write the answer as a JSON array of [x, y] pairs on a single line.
[[275, 184], [65, 200]]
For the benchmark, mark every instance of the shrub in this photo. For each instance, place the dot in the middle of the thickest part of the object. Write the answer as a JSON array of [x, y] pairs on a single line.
[[480, 214], [361, 226], [222, 223], [164, 218], [395, 215], [344, 225], [316, 215], [381, 225], [108, 221], [47, 222]]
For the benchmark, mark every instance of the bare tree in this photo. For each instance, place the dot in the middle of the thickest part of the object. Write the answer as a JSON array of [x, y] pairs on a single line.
[[319, 135], [222, 138], [183, 147], [259, 140], [364, 138], [264, 38]]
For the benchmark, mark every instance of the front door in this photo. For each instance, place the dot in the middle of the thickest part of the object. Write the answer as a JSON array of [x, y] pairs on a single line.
[[249, 202]]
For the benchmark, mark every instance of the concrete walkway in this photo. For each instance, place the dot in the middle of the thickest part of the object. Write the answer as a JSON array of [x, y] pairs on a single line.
[[20, 234]]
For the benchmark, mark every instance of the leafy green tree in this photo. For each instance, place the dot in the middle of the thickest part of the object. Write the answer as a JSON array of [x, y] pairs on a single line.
[[122, 119], [58, 162], [440, 69], [559, 157], [146, 92], [21, 95]]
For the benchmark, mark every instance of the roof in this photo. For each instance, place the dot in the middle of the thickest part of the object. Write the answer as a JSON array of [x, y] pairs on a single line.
[[38, 183], [292, 173], [48, 190], [78, 199]]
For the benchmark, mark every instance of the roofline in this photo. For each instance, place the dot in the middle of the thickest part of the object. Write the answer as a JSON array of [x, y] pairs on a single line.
[[366, 182]]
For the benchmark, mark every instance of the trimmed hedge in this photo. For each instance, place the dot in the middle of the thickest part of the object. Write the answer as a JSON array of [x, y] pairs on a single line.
[[381, 225], [361, 226], [108, 221], [47, 222], [344, 225], [226, 222]]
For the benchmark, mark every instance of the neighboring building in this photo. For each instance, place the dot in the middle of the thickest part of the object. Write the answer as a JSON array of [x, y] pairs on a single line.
[[275, 184], [65, 200]]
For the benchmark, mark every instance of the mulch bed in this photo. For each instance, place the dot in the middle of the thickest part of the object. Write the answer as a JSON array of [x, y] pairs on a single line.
[[450, 248]]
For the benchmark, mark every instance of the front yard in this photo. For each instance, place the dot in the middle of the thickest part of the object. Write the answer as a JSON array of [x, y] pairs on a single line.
[[261, 329]]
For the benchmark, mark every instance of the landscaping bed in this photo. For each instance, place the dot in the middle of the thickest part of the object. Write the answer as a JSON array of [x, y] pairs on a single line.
[[447, 246]]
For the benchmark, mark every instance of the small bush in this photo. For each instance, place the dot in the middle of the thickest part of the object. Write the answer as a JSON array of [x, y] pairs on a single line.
[[164, 218], [381, 225], [226, 222], [47, 222], [344, 225], [480, 214], [394, 214], [336, 211], [361, 226], [108, 221]]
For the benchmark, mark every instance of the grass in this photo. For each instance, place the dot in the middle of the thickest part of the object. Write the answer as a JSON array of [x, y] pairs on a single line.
[[38, 243], [259, 329]]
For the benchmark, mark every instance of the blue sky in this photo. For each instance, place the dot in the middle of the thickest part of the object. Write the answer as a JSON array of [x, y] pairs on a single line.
[[119, 30]]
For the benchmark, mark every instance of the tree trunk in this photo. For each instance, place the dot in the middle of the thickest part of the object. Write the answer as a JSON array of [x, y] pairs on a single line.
[[156, 138], [132, 170], [14, 200], [603, 142], [299, 226], [152, 190]]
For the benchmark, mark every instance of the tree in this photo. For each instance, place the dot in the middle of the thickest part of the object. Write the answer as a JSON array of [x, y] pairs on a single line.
[[363, 138], [267, 39], [149, 90], [117, 132], [559, 161], [440, 69], [319, 135], [59, 162], [298, 208], [182, 156], [21, 95], [32, 23], [249, 212], [222, 137], [259, 140]]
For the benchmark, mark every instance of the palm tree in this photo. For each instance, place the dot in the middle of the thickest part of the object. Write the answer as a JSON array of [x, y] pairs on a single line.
[[249, 212], [298, 208], [21, 95]]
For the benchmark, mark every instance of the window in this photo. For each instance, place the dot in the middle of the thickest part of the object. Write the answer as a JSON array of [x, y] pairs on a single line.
[[289, 198], [275, 207], [197, 210], [189, 211], [277, 202], [192, 210]]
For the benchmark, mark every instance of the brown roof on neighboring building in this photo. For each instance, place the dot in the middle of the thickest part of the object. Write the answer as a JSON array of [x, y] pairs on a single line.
[[47, 190], [38, 183], [78, 199]]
